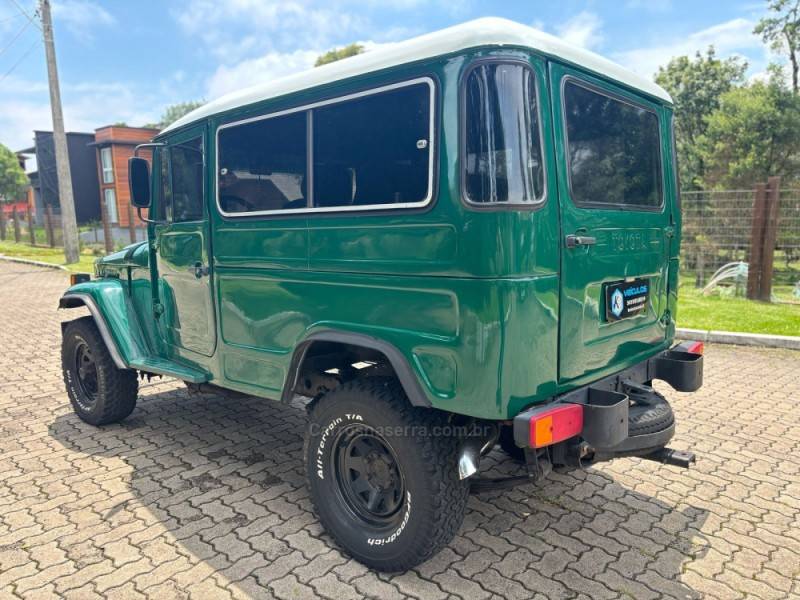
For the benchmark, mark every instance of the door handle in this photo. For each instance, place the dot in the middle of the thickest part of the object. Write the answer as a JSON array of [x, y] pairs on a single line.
[[573, 241], [199, 269]]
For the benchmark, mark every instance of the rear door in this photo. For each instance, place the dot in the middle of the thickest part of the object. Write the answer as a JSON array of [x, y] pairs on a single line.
[[615, 225]]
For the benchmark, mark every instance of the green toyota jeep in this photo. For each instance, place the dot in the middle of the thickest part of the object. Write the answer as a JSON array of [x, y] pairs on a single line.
[[467, 239]]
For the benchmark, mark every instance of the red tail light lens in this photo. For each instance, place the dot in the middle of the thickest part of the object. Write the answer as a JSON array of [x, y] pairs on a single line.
[[556, 425]]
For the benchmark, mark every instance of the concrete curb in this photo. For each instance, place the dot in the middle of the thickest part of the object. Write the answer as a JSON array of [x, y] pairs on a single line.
[[740, 339], [35, 263]]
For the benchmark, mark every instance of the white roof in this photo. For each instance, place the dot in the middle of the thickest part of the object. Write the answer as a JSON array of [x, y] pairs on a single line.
[[489, 31]]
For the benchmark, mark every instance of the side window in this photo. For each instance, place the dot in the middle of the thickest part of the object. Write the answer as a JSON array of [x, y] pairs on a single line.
[[502, 161], [613, 149], [165, 187], [186, 159], [262, 164], [374, 149]]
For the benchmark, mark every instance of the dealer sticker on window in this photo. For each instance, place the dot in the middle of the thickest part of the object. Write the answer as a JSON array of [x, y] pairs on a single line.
[[626, 298]]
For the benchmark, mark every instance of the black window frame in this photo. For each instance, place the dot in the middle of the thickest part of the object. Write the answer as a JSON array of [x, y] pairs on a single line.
[[625, 100], [462, 135], [169, 147], [310, 211]]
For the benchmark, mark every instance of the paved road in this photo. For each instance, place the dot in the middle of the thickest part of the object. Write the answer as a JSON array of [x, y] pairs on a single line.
[[204, 497]]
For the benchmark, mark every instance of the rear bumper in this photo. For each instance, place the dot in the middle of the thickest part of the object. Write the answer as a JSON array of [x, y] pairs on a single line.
[[602, 420]]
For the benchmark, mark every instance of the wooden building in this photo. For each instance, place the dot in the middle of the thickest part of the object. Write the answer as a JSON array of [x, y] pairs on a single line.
[[114, 145]]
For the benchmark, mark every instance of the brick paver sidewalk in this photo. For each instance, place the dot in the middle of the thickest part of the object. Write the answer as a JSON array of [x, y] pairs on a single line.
[[204, 497]]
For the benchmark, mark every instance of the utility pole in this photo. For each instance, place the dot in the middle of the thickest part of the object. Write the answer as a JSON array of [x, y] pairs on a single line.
[[68, 222]]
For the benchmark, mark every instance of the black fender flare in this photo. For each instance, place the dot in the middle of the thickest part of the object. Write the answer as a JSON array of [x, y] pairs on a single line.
[[408, 379]]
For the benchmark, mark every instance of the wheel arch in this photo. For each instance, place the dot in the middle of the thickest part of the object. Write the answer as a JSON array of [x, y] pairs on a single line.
[[76, 300], [402, 369]]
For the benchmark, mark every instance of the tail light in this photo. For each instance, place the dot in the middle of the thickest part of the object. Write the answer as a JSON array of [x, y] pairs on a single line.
[[553, 425]]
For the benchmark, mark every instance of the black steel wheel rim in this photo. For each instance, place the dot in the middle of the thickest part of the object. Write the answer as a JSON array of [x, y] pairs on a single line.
[[368, 476], [86, 372]]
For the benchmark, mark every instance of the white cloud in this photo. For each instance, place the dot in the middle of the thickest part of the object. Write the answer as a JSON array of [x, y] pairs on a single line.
[[81, 16], [259, 70], [730, 37], [584, 30]]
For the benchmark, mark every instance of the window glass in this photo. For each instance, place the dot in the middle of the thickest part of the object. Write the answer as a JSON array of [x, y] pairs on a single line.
[[503, 159], [262, 165], [613, 150], [186, 160], [165, 188], [374, 149], [107, 164], [111, 205]]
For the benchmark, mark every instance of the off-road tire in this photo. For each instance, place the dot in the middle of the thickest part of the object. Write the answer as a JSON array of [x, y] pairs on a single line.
[[651, 417], [506, 441], [116, 388], [434, 499]]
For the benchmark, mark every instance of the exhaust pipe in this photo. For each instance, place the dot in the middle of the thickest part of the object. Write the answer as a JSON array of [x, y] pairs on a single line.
[[668, 456], [472, 449]]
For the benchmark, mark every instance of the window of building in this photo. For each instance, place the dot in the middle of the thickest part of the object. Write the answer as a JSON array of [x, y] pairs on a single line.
[[110, 199], [613, 150], [107, 163], [503, 152], [374, 149], [262, 165], [186, 161]]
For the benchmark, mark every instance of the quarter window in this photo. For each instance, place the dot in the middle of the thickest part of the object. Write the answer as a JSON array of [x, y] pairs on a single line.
[[503, 158], [613, 150], [262, 165], [107, 163], [186, 160], [373, 150]]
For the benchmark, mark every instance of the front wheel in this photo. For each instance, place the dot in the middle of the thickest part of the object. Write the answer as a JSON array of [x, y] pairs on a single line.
[[383, 475], [99, 391]]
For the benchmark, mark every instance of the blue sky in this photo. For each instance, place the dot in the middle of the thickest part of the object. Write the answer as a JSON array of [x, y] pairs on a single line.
[[126, 60]]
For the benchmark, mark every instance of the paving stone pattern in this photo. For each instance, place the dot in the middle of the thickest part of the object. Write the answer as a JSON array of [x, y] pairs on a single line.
[[203, 497]]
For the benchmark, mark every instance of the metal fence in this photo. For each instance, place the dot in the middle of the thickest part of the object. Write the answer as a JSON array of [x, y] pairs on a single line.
[[717, 226]]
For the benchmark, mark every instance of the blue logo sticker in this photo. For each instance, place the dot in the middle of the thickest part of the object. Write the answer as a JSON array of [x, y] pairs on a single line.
[[617, 303]]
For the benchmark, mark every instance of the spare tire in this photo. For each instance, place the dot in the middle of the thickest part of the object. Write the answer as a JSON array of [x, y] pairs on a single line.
[[649, 414]]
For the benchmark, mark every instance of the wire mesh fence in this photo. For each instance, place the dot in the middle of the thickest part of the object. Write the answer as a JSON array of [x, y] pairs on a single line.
[[717, 227]]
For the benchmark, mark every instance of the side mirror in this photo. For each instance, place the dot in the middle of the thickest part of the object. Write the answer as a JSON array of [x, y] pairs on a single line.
[[139, 181]]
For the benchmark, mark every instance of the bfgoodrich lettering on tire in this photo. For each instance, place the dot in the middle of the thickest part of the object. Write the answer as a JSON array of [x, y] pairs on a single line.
[[382, 474]]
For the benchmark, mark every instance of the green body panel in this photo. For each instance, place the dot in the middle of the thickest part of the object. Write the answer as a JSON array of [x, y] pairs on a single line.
[[472, 298]]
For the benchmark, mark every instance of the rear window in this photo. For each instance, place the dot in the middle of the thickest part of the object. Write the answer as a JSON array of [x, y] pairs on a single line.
[[613, 150], [503, 154]]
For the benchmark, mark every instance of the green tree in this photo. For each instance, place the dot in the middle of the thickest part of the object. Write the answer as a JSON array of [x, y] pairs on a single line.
[[12, 177], [696, 86], [176, 111], [781, 31], [338, 54], [754, 134]]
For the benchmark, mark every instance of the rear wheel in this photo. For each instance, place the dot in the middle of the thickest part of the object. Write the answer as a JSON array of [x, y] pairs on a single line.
[[383, 474], [100, 393]]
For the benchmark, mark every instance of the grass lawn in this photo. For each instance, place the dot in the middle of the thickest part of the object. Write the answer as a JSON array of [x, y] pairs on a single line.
[[48, 255], [696, 311]]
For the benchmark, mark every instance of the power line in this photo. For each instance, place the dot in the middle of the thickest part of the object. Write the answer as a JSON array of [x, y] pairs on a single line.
[[14, 39], [21, 58], [25, 14]]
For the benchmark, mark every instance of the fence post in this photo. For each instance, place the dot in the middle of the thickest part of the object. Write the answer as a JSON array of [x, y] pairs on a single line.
[[16, 224], [2, 224], [108, 240], [756, 243], [31, 232], [770, 237], [131, 224], [51, 238]]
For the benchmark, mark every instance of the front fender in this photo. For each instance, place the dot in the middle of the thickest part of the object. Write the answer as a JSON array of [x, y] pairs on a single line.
[[114, 315]]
